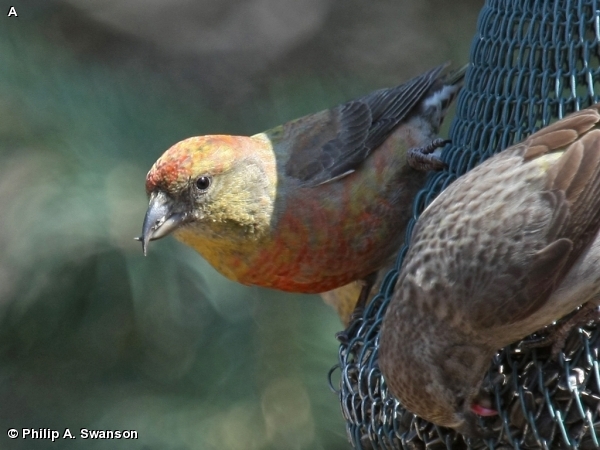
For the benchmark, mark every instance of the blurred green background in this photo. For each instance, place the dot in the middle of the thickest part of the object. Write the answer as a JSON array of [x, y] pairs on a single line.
[[94, 335]]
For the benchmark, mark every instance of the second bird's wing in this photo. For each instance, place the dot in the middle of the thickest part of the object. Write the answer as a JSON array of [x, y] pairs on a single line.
[[510, 229]]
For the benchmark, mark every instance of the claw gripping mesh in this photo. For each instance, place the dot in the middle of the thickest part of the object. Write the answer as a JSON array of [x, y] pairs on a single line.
[[531, 63]]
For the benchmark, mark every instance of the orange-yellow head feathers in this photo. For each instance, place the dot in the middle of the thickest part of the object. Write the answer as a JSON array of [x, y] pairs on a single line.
[[212, 192], [210, 155]]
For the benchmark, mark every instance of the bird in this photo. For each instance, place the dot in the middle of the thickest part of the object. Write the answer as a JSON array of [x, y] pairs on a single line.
[[310, 206], [505, 250]]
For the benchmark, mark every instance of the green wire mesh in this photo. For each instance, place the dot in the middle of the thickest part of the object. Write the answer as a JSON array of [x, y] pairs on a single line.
[[531, 63]]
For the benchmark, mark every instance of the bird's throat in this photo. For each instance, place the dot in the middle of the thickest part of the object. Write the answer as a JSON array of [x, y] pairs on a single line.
[[229, 251]]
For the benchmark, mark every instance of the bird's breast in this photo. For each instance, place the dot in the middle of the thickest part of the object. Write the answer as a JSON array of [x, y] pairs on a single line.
[[331, 235]]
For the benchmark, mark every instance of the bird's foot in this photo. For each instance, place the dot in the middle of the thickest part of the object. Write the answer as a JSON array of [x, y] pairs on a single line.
[[423, 159], [558, 334], [344, 336]]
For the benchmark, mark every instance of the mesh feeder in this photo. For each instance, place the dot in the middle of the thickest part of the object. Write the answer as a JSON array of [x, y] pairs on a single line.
[[532, 62]]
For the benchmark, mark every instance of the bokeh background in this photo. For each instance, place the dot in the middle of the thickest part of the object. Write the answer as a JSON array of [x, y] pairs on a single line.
[[94, 335]]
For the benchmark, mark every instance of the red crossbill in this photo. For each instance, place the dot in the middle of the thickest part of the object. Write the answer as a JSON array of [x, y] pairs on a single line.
[[508, 248], [311, 205]]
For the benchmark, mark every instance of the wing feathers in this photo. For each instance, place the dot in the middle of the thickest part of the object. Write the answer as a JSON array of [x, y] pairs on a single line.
[[555, 209], [340, 139], [573, 195]]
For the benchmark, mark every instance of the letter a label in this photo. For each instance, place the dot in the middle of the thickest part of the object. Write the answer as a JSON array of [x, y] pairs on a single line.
[[12, 12]]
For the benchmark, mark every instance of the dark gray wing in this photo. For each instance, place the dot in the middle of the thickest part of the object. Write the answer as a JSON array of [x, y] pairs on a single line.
[[333, 143]]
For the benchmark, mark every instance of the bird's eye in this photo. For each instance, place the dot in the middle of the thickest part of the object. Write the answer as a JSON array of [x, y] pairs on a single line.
[[203, 183]]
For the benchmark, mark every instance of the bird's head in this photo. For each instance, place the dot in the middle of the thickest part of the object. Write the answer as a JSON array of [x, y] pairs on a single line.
[[436, 377], [212, 187], [454, 393], [447, 393]]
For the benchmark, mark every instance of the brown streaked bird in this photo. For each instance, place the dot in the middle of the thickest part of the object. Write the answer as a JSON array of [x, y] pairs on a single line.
[[508, 248], [310, 206]]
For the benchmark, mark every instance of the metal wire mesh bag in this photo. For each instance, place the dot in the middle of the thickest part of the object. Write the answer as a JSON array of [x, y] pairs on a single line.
[[531, 63]]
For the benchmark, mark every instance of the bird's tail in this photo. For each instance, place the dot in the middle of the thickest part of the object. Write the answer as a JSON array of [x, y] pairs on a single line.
[[456, 77], [443, 92]]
